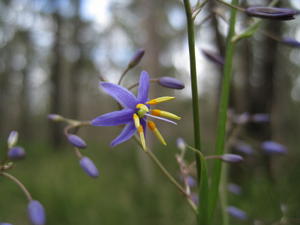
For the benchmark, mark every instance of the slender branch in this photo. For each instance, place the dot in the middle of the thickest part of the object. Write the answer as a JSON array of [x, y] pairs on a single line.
[[123, 75], [168, 175], [222, 115], [19, 183]]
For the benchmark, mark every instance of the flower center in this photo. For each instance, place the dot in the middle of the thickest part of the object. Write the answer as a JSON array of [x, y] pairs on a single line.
[[142, 110]]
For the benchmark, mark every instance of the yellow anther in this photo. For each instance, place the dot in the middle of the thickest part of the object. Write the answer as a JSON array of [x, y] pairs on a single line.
[[153, 128], [140, 130], [142, 137], [136, 120], [142, 107], [159, 100], [157, 112]]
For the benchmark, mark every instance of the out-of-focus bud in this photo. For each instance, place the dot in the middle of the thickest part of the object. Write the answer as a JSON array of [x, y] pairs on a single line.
[[260, 118], [272, 147], [170, 82], [290, 42], [243, 148], [194, 197], [271, 13], [55, 117], [5, 224], [89, 167], [12, 138], [191, 182], [214, 57], [180, 144], [232, 158], [237, 213], [16, 153], [36, 213], [76, 141], [242, 118], [136, 58], [234, 188]]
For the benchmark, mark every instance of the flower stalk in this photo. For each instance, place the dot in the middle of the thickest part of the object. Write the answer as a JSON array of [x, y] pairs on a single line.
[[222, 116]]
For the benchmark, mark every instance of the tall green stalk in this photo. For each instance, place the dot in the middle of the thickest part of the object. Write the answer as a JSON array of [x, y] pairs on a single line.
[[195, 99], [222, 115]]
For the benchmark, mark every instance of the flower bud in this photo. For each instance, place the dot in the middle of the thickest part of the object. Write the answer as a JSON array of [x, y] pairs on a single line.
[[12, 138], [242, 118], [232, 158], [191, 182], [36, 213], [272, 147], [89, 167], [243, 148], [5, 224], [55, 117], [271, 13], [136, 58], [291, 42], [180, 144], [16, 153], [214, 57], [234, 188], [195, 199], [237, 213], [260, 118], [170, 82], [76, 141]]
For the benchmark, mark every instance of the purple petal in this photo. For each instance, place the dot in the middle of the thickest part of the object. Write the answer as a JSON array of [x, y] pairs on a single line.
[[16, 153], [126, 133], [120, 94], [144, 84], [114, 118]]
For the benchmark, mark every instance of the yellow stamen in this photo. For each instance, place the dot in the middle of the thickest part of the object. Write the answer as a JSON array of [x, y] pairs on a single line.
[[142, 137], [159, 100], [140, 130], [153, 127], [143, 107], [157, 112]]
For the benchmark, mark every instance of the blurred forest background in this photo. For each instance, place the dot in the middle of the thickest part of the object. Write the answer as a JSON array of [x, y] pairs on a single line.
[[52, 53]]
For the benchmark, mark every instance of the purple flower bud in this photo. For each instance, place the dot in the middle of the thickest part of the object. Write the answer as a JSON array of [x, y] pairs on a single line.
[[271, 13], [243, 148], [171, 82], [242, 118], [76, 141], [232, 158], [194, 197], [180, 144], [89, 167], [272, 147], [214, 57], [16, 153], [12, 138], [291, 42], [234, 188], [5, 224], [136, 58], [191, 182], [237, 213], [55, 117], [261, 118], [36, 213]]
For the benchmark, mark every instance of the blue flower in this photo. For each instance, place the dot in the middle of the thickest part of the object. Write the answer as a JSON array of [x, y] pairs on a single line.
[[135, 112]]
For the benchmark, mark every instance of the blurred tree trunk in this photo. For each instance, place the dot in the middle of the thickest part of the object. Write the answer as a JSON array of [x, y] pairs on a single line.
[[56, 83], [76, 65], [261, 94]]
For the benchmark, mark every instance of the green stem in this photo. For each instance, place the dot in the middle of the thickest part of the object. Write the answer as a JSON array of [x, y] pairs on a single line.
[[19, 183], [222, 115], [195, 99]]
